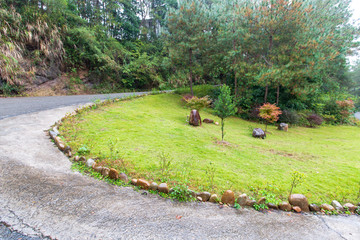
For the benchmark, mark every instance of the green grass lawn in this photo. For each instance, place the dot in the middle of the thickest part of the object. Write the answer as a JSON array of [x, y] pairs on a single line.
[[139, 130]]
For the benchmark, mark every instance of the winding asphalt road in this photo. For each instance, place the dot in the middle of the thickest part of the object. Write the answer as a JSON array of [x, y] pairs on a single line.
[[41, 198]]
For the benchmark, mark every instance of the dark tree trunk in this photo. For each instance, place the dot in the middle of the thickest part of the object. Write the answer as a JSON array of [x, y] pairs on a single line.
[[222, 129], [190, 72], [234, 62], [270, 64], [277, 95], [266, 93]]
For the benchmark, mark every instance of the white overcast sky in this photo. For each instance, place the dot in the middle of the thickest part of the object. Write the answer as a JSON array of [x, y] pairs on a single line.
[[355, 6]]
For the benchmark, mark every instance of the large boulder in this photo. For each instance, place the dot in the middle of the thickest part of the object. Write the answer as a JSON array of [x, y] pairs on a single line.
[[228, 197], [283, 127], [259, 133], [299, 200], [195, 118]]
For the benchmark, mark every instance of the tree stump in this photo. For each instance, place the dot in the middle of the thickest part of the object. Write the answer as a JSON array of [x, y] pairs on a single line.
[[195, 118]]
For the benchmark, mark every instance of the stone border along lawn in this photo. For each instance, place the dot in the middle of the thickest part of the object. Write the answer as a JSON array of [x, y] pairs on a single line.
[[297, 202]]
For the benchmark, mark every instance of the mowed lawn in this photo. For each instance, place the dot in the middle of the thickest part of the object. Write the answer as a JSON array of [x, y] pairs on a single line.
[[140, 129]]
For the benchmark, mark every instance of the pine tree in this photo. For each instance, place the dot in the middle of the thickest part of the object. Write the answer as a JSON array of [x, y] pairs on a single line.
[[189, 27], [224, 107]]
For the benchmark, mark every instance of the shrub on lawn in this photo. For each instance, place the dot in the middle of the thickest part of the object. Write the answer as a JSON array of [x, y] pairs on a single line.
[[270, 113], [314, 120], [290, 117], [224, 107], [197, 103], [346, 109]]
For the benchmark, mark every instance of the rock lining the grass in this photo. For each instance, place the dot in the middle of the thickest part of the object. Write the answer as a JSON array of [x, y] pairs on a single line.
[[214, 198], [337, 205], [105, 171], [242, 199], [60, 144], [351, 207], [296, 209], [327, 207], [272, 206], [123, 177], [154, 186], [163, 187], [314, 208], [53, 134], [133, 181], [228, 197], [113, 174], [205, 196], [300, 201], [285, 206], [250, 203], [143, 184], [90, 162]]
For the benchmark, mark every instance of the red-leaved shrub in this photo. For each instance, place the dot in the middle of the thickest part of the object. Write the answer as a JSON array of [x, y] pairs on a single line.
[[314, 120], [270, 113]]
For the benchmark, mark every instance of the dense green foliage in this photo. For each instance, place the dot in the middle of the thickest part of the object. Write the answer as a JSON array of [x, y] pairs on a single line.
[[292, 53], [102, 37]]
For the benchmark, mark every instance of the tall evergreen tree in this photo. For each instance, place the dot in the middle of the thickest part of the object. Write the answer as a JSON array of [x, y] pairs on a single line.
[[189, 28]]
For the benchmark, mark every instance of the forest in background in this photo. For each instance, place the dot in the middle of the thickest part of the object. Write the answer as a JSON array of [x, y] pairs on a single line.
[[289, 52]]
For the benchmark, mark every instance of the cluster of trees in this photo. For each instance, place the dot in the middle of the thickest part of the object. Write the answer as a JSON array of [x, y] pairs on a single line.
[[117, 41], [280, 51], [286, 52]]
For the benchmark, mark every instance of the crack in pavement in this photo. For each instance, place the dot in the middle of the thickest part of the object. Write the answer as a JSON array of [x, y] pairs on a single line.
[[323, 220]]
